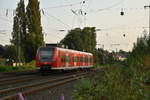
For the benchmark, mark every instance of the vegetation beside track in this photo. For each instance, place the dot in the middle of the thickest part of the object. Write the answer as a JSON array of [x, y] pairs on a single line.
[[24, 67], [128, 80], [117, 82]]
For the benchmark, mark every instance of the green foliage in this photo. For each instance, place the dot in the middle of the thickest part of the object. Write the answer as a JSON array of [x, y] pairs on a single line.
[[81, 39], [25, 67], [73, 40], [30, 64], [10, 52], [19, 30], [27, 33], [82, 91], [140, 49], [2, 50], [115, 83], [139, 59], [88, 36], [105, 57], [35, 37], [2, 61], [6, 68]]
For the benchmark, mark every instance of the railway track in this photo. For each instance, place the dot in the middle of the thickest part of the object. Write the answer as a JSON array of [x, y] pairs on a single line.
[[16, 80], [21, 79], [4, 75], [12, 93]]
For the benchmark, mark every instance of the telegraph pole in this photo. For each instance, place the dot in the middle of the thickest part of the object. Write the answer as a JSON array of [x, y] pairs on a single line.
[[148, 6], [18, 44]]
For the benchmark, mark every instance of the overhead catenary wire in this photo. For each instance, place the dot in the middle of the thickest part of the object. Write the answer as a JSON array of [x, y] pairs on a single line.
[[12, 11], [80, 14], [66, 5], [112, 6], [54, 35], [53, 29], [6, 20], [57, 19], [61, 6]]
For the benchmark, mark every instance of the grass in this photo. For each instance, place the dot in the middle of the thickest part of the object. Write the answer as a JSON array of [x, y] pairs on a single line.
[[146, 61], [25, 67], [118, 82]]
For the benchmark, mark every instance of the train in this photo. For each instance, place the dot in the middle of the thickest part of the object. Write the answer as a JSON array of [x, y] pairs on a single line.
[[56, 58]]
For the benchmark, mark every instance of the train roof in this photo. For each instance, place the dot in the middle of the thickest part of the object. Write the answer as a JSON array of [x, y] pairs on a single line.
[[69, 50]]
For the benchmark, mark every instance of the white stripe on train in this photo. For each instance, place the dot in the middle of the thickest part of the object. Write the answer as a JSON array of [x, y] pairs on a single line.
[[67, 68]]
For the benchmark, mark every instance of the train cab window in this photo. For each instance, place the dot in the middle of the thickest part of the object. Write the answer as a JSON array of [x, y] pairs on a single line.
[[46, 54]]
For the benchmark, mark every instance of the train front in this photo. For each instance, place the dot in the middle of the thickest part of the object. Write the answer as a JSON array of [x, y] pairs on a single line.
[[44, 58]]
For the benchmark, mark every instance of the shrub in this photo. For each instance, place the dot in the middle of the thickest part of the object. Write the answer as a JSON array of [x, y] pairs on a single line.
[[2, 61], [28, 66], [116, 83], [146, 62]]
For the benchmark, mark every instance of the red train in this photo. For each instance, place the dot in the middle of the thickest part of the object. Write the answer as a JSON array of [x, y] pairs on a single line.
[[54, 58]]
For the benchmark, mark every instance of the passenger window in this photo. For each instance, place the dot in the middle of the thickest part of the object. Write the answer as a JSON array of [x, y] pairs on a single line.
[[67, 59], [74, 59]]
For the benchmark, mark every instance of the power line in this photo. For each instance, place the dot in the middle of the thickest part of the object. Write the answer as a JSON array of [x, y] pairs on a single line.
[[67, 5], [49, 15], [52, 7], [108, 8], [112, 6], [57, 36], [61, 6], [149, 16], [1, 18]]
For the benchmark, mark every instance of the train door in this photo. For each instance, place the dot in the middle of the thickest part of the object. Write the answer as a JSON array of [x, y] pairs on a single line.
[[74, 60], [88, 60], [83, 60], [67, 60]]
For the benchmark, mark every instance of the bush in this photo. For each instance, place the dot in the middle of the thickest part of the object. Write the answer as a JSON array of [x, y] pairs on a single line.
[[28, 66], [6, 68], [2, 61], [116, 83], [83, 90], [146, 62]]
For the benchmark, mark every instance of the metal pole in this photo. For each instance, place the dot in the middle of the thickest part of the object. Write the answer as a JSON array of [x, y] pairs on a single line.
[[19, 33], [149, 16], [149, 20], [19, 45]]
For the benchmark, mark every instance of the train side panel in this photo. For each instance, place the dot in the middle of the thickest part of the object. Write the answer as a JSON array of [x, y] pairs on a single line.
[[65, 59]]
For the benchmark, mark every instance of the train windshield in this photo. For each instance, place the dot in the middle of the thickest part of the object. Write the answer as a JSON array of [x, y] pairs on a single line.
[[46, 54]]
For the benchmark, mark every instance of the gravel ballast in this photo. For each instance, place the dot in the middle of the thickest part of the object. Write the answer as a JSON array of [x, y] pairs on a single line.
[[56, 93]]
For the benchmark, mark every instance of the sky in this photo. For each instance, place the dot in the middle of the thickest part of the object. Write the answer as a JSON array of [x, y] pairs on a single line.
[[68, 14]]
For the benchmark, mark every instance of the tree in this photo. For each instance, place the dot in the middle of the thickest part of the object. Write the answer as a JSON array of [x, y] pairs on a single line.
[[35, 37], [9, 52], [73, 40], [19, 30], [88, 36], [81, 39], [1, 51]]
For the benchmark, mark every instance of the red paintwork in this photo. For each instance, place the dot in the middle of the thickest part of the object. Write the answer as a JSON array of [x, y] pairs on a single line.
[[60, 54]]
